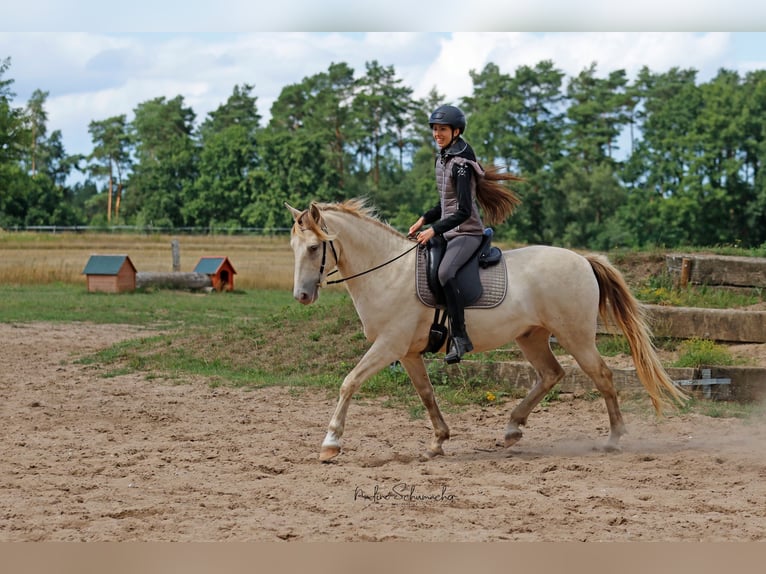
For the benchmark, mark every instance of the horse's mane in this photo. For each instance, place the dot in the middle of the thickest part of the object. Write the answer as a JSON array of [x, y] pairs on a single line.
[[357, 207]]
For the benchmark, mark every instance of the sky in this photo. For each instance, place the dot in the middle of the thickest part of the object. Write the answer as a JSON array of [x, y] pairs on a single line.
[[99, 60]]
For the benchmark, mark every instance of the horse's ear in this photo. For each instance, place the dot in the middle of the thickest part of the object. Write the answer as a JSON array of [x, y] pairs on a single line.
[[296, 214], [315, 212]]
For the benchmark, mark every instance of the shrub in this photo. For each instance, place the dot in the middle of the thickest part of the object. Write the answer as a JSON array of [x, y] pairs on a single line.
[[698, 352]]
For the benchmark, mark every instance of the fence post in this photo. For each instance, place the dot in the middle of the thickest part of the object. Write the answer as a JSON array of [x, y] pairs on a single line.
[[175, 249], [686, 269]]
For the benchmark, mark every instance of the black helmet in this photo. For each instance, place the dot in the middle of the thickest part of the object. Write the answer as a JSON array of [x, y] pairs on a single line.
[[450, 116]]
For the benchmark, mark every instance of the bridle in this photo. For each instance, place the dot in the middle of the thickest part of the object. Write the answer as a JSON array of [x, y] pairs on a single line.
[[324, 261], [342, 279]]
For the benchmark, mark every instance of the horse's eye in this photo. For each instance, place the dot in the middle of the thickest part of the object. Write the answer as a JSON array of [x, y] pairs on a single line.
[[313, 248]]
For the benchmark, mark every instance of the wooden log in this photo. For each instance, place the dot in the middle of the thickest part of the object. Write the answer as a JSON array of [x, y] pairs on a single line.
[[747, 383], [719, 269], [726, 325], [731, 325], [173, 280]]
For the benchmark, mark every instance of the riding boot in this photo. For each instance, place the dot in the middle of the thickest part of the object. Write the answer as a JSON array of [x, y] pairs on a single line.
[[459, 341]]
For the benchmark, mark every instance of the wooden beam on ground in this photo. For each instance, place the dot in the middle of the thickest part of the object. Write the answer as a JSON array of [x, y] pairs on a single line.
[[730, 325], [747, 383], [718, 270], [725, 325], [173, 280]]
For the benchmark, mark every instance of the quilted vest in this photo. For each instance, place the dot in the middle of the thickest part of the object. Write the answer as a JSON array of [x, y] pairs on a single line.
[[448, 194]]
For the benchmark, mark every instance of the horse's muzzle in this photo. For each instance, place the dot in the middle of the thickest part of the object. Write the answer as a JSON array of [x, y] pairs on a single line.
[[305, 297]]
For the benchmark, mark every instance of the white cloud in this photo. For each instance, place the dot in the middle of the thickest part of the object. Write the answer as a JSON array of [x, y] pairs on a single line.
[[571, 53], [459, 54], [92, 76]]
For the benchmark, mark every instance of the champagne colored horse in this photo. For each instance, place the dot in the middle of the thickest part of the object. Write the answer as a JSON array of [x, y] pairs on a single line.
[[550, 291]]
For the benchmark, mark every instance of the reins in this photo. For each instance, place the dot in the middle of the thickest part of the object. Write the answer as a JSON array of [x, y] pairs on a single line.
[[335, 254]]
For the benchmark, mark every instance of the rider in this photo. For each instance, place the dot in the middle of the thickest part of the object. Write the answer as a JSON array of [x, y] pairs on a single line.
[[456, 216]]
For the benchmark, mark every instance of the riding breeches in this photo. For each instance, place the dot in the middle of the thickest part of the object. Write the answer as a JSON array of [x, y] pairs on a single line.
[[459, 251]]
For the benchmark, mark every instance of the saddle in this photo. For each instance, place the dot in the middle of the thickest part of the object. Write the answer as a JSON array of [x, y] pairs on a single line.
[[483, 281]]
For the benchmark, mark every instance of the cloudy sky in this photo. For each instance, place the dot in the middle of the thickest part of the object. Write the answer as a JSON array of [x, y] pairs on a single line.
[[98, 60]]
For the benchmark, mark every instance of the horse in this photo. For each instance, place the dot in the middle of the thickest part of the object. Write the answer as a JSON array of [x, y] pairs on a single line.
[[551, 291]]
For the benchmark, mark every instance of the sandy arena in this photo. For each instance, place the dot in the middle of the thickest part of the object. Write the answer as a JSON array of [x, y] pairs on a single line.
[[89, 458]]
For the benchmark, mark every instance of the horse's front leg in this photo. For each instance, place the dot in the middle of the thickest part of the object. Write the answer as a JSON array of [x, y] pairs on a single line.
[[416, 369], [373, 361]]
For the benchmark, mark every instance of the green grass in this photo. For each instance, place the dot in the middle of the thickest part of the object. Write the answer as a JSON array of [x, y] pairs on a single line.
[[259, 338], [66, 302], [612, 345], [620, 255], [661, 290], [552, 395]]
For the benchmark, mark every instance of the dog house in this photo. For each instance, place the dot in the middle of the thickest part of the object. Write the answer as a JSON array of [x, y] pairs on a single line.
[[110, 274], [220, 270]]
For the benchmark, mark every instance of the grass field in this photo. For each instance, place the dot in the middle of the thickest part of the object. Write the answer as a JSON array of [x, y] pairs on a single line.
[[35, 258], [257, 335]]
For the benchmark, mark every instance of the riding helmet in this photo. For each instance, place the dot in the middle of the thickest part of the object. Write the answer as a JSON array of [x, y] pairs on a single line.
[[450, 116]]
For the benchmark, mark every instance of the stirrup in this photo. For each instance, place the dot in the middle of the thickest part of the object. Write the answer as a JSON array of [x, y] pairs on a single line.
[[458, 347]]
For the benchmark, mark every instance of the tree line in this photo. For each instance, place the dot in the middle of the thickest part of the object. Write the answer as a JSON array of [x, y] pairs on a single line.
[[663, 160]]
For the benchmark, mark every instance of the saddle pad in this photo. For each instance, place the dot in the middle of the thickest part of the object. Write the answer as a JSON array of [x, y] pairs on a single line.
[[494, 281]]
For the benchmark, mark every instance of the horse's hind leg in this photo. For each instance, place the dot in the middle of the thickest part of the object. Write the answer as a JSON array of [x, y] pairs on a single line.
[[416, 369], [590, 361], [536, 348]]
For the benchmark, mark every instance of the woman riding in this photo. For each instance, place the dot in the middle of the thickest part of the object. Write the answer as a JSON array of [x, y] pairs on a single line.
[[462, 184]]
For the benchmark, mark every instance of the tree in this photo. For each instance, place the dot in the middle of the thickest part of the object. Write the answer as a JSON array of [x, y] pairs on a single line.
[[492, 111], [37, 118], [321, 104], [724, 194], [668, 106], [416, 193], [304, 148], [240, 110], [598, 111], [165, 161], [227, 159], [110, 157], [14, 129], [382, 107], [14, 132], [290, 170], [594, 197], [753, 110], [14, 138]]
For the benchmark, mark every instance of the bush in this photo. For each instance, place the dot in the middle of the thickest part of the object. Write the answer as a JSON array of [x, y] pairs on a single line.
[[698, 352]]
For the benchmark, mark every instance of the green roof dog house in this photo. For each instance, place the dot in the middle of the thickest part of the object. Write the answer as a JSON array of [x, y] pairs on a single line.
[[110, 274]]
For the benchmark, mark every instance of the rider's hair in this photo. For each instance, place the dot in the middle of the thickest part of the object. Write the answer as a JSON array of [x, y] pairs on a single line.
[[497, 201]]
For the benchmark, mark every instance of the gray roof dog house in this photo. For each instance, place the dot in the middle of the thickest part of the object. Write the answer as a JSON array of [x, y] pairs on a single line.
[[219, 269]]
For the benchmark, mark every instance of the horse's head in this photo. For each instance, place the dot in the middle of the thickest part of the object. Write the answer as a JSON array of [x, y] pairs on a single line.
[[309, 240]]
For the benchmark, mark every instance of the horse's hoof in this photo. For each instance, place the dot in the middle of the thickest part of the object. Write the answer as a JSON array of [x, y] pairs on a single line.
[[612, 448], [433, 453], [328, 453], [512, 437]]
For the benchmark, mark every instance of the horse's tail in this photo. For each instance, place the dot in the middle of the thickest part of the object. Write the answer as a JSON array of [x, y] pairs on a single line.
[[617, 303]]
